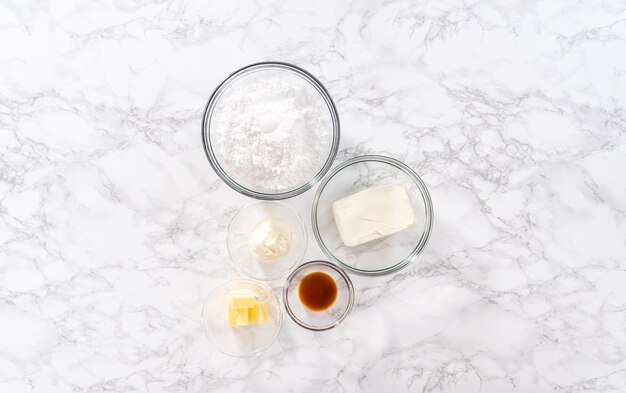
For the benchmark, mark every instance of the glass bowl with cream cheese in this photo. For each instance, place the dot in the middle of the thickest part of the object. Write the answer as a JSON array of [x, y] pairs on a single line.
[[266, 240], [372, 215], [270, 130]]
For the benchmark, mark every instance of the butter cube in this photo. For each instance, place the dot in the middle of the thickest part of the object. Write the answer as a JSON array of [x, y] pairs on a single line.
[[373, 213], [258, 313], [241, 298], [237, 317], [244, 308]]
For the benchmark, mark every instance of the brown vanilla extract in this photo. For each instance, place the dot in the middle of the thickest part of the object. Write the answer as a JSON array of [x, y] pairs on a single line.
[[317, 291]]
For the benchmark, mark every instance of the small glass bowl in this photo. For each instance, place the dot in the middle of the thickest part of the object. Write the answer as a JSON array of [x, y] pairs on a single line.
[[318, 320], [239, 232], [234, 82], [241, 341], [382, 256]]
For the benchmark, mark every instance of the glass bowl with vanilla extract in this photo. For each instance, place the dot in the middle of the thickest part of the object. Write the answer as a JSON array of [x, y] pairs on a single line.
[[318, 295]]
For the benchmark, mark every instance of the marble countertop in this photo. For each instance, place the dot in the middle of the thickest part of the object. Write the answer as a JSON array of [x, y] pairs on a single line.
[[113, 225]]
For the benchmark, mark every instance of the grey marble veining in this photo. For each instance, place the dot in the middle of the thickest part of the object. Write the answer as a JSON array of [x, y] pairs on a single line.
[[113, 225]]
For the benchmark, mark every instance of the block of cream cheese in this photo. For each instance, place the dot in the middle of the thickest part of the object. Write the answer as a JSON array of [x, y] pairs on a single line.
[[373, 213]]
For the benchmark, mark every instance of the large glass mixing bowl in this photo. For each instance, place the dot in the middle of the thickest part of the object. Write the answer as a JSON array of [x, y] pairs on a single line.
[[312, 96]]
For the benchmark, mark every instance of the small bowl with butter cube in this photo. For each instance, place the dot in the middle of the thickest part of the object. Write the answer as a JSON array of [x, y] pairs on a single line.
[[372, 215], [242, 317]]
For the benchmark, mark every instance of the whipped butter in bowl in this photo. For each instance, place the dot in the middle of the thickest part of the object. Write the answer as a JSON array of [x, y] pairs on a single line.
[[266, 240], [269, 239], [270, 130]]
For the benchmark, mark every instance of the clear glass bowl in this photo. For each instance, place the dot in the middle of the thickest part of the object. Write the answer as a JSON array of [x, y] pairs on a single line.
[[239, 232], [382, 256], [241, 341], [318, 320], [235, 82]]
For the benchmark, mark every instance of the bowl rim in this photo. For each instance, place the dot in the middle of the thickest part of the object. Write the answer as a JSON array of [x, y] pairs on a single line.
[[246, 272], [335, 322], [258, 351], [214, 98], [427, 203]]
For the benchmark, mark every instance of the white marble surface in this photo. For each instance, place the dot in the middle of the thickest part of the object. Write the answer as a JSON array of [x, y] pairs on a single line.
[[113, 225]]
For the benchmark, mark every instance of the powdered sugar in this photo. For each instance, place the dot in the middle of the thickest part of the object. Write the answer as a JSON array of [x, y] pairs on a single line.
[[271, 131]]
